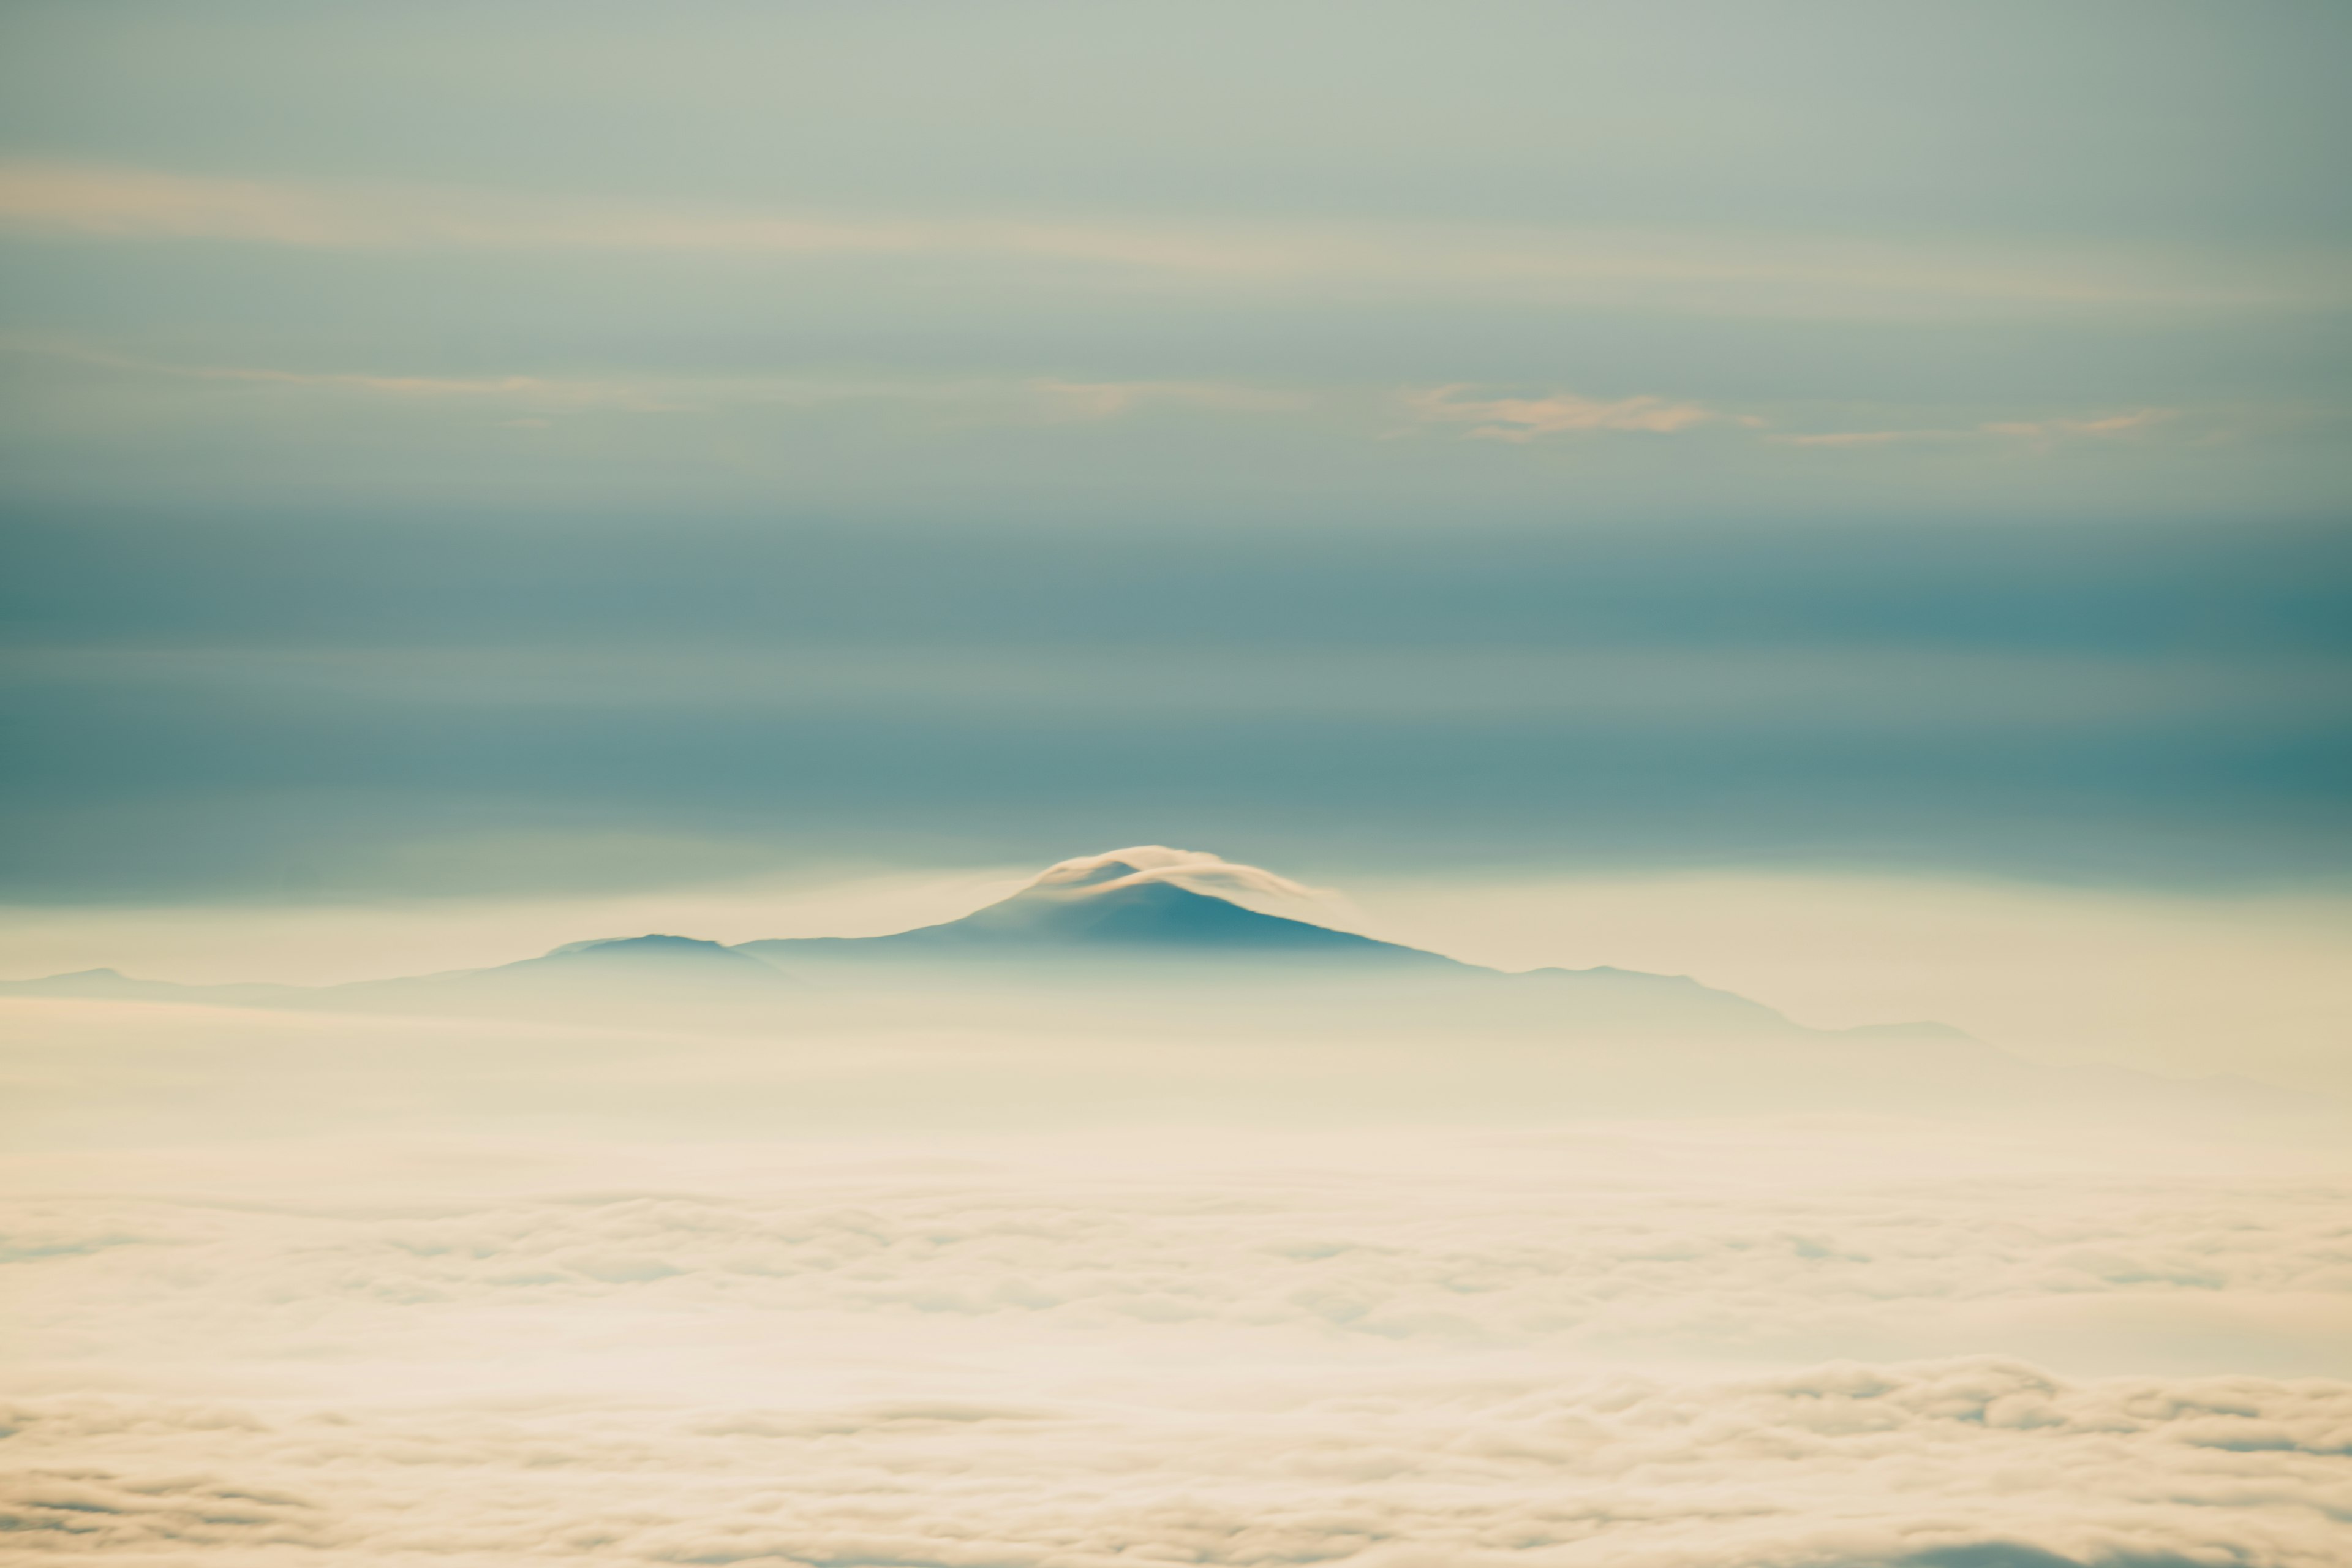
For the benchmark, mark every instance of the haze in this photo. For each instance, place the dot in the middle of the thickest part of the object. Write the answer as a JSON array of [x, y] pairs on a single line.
[[1788, 561]]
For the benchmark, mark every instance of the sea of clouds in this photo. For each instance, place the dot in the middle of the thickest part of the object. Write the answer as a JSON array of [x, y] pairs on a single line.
[[384, 1334]]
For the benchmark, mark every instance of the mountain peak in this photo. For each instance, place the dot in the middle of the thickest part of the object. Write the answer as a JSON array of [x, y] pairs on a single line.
[[649, 946], [654, 956], [1130, 903]]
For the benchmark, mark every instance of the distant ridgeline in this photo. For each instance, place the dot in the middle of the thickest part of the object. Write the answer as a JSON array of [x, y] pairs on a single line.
[[1124, 944], [1090, 923]]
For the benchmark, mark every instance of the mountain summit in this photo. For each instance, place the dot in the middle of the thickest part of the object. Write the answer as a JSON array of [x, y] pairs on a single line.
[[1105, 906]]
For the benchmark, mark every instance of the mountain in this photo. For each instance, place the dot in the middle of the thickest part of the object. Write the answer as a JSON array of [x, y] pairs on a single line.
[[1130, 931], [659, 970], [674, 958], [1118, 926], [1117, 947], [1110, 910], [113, 985]]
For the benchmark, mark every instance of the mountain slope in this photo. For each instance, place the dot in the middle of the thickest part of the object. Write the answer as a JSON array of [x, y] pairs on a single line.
[[683, 958], [113, 985], [659, 969], [1110, 911]]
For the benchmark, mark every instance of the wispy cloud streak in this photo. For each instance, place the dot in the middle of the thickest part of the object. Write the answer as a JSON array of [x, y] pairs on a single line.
[[1709, 272], [2041, 432], [1554, 413], [1040, 399]]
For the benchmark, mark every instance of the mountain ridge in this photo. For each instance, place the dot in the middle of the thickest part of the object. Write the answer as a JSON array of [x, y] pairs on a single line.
[[1112, 908], [1117, 946]]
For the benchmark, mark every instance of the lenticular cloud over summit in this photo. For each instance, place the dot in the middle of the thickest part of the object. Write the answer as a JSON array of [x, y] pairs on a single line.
[[1195, 869]]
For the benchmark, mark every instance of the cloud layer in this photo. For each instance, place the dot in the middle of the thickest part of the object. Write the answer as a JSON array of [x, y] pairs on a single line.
[[1696, 1348], [1961, 1462]]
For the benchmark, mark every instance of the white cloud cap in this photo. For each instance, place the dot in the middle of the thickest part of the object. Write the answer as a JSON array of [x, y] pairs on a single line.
[[1196, 869]]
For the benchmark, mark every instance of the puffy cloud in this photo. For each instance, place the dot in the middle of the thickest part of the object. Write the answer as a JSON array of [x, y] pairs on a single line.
[[1977, 1461], [1316, 1261]]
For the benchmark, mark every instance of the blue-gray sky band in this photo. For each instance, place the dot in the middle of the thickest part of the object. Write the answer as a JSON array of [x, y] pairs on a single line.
[[488, 449]]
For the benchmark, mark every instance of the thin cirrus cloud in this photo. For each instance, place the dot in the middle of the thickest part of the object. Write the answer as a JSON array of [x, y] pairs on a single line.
[[2042, 432], [1707, 273], [1560, 413], [1085, 400], [1049, 399], [2052, 430], [1041, 399], [534, 390], [537, 400]]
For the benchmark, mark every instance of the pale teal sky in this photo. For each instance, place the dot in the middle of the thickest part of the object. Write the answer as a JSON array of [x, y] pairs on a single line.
[[1568, 434]]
